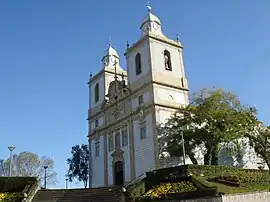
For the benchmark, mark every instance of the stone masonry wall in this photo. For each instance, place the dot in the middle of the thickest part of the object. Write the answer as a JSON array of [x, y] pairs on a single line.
[[249, 197]]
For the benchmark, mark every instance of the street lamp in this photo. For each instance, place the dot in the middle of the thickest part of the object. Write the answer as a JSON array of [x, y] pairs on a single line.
[[183, 147], [45, 177], [183, 144], [11, 148], [66, 183]]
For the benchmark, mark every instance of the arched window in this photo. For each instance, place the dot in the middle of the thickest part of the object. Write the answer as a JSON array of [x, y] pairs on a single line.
[[97, 92], [167, 60], [138, 63]]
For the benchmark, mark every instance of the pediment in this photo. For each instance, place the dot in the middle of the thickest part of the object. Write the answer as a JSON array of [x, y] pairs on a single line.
[[117, 90]]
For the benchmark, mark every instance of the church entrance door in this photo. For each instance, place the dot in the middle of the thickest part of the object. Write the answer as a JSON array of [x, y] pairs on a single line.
[[119, 173]]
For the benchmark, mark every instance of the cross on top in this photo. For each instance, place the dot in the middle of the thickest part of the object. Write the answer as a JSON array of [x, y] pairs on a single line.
[[115, 74], [149, 7]]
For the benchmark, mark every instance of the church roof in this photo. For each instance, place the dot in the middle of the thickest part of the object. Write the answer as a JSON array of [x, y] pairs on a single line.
[[150, 17], [111, 52]]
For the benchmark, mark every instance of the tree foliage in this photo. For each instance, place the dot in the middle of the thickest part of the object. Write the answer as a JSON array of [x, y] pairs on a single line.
[[4, 168], [79, 164], [212, 117], [28, 164], [260, 141]]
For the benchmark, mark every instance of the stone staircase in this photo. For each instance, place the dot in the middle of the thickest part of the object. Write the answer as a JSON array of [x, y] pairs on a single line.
[[102, 194]]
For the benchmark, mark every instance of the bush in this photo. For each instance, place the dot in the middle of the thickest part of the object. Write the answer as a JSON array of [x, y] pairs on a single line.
[[176, 174], [13, 188], [136, 190], [15, 184]]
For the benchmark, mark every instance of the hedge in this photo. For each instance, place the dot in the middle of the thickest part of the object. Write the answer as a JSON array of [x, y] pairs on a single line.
[[176, 174], [15, 184]]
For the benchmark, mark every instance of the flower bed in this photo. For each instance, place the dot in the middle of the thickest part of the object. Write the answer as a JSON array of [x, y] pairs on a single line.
[[170, 188], [208, 180], [11, 197]]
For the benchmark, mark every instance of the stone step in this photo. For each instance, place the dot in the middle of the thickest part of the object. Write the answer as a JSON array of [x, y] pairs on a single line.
[[104, 194]]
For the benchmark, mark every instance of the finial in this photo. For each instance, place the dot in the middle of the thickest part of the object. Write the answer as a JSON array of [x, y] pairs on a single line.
[[110, 41], [127, 44], [91, 75], [177, 37], [149, 7]]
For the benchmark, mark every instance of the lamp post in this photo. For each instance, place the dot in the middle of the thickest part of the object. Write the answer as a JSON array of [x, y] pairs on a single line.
[[11, 148], [45, 177], [66, 183], [183, 147]]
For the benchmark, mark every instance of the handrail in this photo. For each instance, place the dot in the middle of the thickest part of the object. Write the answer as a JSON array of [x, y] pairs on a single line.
[[132, 182]]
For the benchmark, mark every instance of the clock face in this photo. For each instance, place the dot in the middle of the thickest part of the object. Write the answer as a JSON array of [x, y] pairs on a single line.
[[146, 27]]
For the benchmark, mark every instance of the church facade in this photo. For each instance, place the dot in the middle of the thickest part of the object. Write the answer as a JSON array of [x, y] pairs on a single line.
[[126, 106]]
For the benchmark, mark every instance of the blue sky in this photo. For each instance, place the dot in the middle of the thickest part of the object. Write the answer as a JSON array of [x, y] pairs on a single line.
[[48, 48]]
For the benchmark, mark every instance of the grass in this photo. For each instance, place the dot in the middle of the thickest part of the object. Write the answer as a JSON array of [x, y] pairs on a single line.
[[251, 187]]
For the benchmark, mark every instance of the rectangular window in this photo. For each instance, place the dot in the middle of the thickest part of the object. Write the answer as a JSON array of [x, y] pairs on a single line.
[[143, 132], [111, 143], [117, 140], [96, 123], [140, 100], [97, 148], [124, 137]]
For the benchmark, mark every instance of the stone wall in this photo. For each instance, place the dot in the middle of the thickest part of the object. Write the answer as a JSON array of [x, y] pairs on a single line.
[[249, 197], [206, 199]]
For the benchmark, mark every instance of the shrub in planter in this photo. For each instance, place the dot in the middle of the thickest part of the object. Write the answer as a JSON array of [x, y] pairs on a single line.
[[170, 188], [11, 197]]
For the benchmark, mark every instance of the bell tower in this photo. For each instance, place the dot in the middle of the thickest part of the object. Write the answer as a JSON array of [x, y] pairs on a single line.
[[157, 79], [156, 59]]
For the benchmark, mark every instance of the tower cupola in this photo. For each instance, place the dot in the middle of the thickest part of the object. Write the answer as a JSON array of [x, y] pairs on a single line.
[[110, 57], [151, 24]]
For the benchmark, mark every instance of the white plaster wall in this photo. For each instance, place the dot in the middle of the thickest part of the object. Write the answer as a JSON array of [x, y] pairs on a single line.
[[146, 97], [98, 164], [165, 94], [162, 114], [143, 49], [101, 92], [127, 163], [93, 124], [144, 149], [108, 79], [157, 49]]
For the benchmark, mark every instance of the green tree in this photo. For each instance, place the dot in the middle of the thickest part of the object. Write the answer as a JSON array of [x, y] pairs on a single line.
[[212, 117], [260, 141], [79, 164]]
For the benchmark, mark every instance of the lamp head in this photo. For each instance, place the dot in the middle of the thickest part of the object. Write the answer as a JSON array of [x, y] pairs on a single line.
[[11, 148]]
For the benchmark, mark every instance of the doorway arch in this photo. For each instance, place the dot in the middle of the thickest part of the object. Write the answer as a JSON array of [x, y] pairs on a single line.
[[119, 173]]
